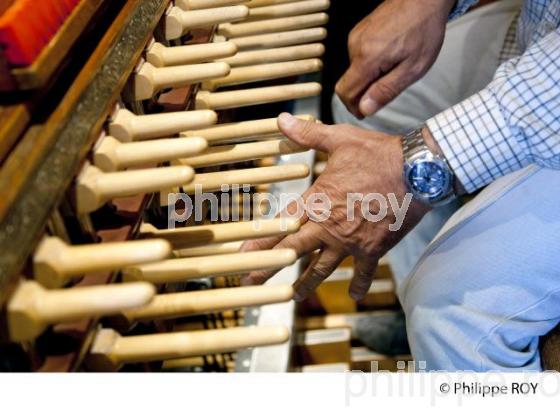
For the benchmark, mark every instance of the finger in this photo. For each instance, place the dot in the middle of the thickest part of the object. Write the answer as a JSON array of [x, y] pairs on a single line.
[[385, 89], [352, 85], [310, 134], [303, 242], [316, 273], [364, 271]]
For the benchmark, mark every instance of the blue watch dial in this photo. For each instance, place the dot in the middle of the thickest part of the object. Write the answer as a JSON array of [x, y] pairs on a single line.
[[429, 178]]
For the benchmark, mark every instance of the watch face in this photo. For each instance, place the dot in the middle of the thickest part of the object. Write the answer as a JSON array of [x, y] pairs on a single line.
[[429, 178]]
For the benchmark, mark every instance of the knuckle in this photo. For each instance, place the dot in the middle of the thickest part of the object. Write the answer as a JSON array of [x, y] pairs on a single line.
[[387, 90]]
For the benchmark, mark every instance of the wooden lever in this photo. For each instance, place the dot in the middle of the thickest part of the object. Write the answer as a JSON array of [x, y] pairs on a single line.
[[213, 181], [112, 155], [32, 308], [227, 154], [180, 270], [161, 56], [94, 187], [283, 39], [263, 72], [208, 250], [110, 350], [55, 262], [221, 233], [288, 10], [127, 127], [240, 130], [206, 4], [272, 26], [183, 304], [149, 79], [255, 96], [274, 55], [179, 21], [262, 3]]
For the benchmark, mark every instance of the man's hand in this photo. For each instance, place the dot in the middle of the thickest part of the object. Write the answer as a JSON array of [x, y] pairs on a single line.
[[360, 162], [389, 50]]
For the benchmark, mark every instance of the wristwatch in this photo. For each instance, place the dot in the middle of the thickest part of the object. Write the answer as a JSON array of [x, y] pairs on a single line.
[[427, 174]]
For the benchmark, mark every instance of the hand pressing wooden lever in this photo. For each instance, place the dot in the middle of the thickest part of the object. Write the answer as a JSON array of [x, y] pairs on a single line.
[[228, 154], [255, 96], [288, 10], [274, 55], [206, 4], [213, 181], [182, 304], [263, 72], [55, 263], [221, 233], [111, 155], [240, 131], [110, 350], [149, 79], [283, 39], [208, 250], [94, 187], [126, 126], [32, 308], [272, 26], [160, 55], [180, 270], [179, 21]]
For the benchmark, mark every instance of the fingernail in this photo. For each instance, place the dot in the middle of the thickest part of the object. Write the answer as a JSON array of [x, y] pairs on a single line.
[[286, 120], [368, 106]]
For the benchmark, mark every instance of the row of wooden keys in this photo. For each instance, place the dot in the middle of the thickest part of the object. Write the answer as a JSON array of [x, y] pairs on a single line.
[[276, 39]]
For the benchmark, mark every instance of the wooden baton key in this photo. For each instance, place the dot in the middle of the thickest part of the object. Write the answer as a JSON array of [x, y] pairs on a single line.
[[221, 233], [180, 270], [263, 72], [126, 126], [55, 262], [208, 250], [179, 21], [274, 55], [282, 39], [227, 154], [110, 350], [288, 10], [95, 187], [32, 308], [213, 181], [261, 3], [112, 155], [160, 55], [252, 28], [149, 79], [206, 4], [239, 131], [255, 96]]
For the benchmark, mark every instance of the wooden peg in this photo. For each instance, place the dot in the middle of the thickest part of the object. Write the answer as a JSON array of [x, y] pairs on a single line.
[[55, 262], [283, 39], [180, 270], [288, 10], [179, 21], [149, 79], [112, 155], [94, 187], [255, 96], [227, 154], [127, 127], [221, 233], [32, 308], [263, 72], [174, 305], [208, 250], [213, 181], [161, 56], [262, 3], [274, 55], [206, 4], [110, 350], [240, 130], [252, 28]]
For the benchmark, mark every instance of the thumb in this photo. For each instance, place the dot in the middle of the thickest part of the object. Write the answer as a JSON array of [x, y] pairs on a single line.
[[309, 134]]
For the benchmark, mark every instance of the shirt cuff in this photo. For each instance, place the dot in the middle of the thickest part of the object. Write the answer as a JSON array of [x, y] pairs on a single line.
[[476, 141], [461, 8]]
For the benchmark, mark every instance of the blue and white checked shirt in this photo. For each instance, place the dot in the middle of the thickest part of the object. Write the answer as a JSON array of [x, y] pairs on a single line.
[[515, 120]]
